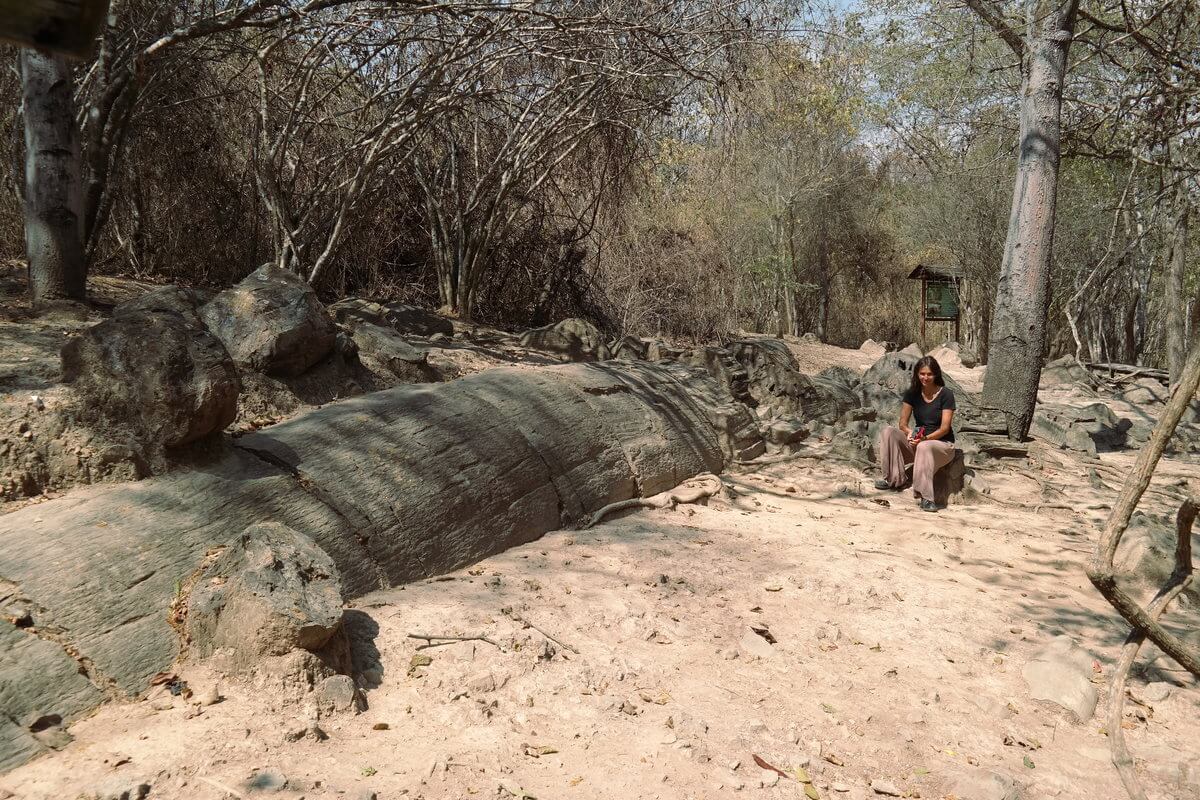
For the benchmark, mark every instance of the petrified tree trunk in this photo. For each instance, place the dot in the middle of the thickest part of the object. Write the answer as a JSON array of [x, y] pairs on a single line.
[[53, 193], [1018, 330]]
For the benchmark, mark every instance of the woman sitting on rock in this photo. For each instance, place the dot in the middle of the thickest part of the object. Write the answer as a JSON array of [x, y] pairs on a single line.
[[930, 445]]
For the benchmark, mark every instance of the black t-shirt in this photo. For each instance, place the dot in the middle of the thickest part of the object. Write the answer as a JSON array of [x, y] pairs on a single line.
[[930, 414]]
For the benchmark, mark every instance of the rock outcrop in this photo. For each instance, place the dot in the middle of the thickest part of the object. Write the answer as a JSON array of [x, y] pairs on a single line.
[[573, 339], [154, 371], [271, 591], [271, 322]]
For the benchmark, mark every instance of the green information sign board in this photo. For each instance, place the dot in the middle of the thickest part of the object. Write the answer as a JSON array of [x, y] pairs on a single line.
[[941, 301], [69, 27]]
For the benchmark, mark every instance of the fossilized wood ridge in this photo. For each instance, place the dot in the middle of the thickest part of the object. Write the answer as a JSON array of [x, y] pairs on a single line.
[[395, 486]]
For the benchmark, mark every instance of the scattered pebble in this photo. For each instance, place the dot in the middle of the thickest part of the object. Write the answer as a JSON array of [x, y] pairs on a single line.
[[886, 788]]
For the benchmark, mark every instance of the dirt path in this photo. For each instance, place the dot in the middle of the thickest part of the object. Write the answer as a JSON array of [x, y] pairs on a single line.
[[899, 642]]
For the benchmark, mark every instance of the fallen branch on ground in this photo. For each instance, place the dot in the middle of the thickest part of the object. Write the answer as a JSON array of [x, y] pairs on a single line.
[[518, 618], [1180, 578], [1103, 573], [668, 499], [764, 461], [432, 640]]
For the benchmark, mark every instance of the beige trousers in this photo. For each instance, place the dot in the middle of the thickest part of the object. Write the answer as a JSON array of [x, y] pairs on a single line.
[[927, 457]]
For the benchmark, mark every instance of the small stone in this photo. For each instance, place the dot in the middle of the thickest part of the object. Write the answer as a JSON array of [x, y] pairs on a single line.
[[981, 785], [337, 694], [732, 781], [267, 781], [164, 703], [839, 787], [295, 732], [55, 737], [210, 696], [768, 778], [886, 788], [481, 682], [1156, 692], [755, 645]]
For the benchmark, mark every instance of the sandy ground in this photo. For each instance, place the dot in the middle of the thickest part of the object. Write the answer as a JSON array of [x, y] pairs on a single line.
[[899, 642]]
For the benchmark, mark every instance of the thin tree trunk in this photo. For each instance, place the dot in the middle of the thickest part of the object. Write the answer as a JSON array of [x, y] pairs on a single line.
[[1176, 333], [53, 191], [1018, 332]]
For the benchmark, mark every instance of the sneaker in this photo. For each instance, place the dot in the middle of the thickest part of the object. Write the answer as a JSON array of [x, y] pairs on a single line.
[[928, 505], [882, 484]]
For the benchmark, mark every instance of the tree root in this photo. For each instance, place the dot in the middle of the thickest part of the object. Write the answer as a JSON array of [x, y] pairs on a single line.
[[1103, 574], [670, 499], [764, 461]]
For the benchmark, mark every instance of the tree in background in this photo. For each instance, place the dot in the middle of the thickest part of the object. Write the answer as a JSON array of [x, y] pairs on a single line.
[[1018, 331]]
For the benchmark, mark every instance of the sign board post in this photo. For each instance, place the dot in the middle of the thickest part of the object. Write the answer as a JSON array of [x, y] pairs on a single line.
[[939, 295], [68, 27]]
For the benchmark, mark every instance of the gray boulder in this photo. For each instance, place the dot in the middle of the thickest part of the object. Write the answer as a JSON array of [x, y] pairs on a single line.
[[661, 351], [418, 321], [389, 349], [785, 432], [573, 338], [737, 431], [173, 299], [723, 367], [272, 322], [779, 388], [1088, 429], [154, 372], [1145, 392], [628, 348], [843, 375], [1066, 371], [272, 591]]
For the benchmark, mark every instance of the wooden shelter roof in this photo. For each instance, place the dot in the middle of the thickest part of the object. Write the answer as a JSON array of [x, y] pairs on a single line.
[[936, 271]]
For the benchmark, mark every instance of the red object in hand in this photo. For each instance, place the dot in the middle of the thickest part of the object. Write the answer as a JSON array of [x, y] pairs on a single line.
[[918, 434]]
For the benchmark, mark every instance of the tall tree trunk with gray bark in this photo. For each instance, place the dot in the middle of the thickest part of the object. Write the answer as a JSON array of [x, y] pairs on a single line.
[[53, 191], [1176, 318], [1018, 330]]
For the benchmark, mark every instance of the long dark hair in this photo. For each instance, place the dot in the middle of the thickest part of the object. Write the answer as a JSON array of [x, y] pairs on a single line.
[[926, 361]]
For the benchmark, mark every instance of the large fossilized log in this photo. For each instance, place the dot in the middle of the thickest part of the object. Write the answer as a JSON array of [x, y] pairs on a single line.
[[394, 486]]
